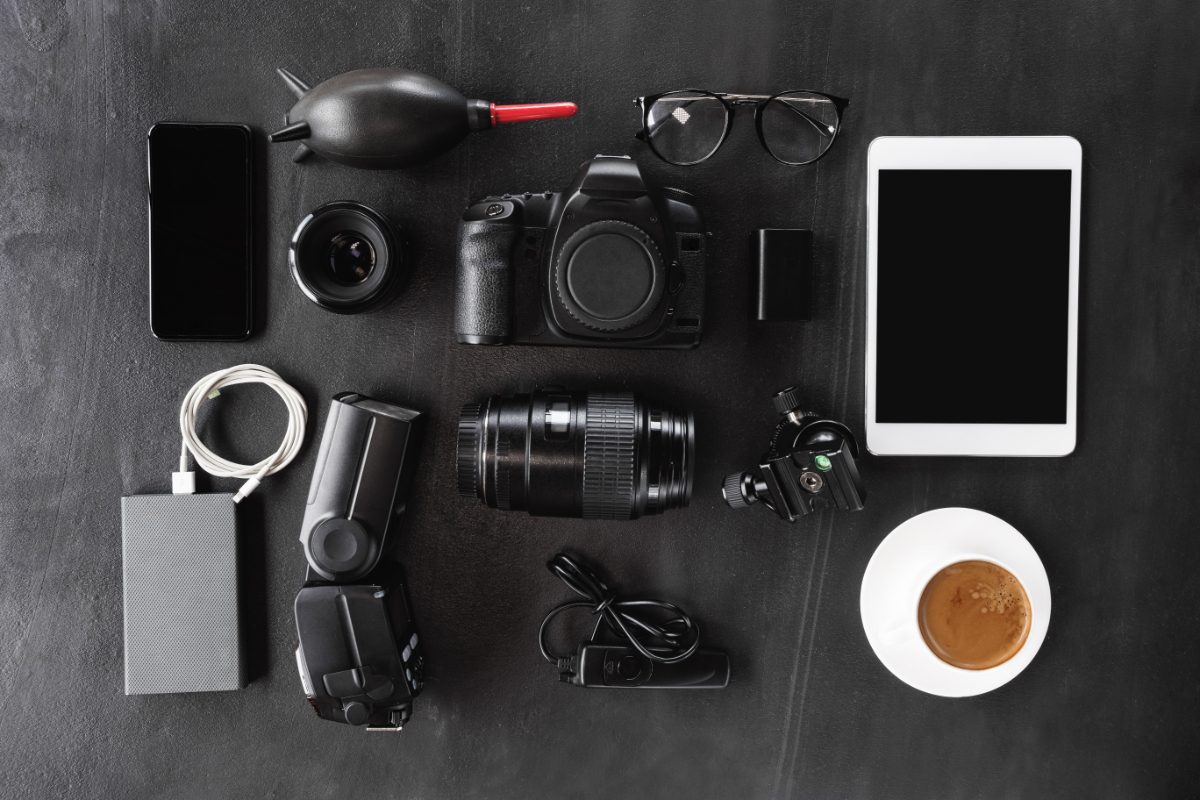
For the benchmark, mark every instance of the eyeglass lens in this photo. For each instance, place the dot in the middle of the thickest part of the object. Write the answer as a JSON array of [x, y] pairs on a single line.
[[686, 127], [799, 127]]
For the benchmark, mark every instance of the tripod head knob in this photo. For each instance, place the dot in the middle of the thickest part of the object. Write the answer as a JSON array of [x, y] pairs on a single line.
[[734, 490], [787, 402]]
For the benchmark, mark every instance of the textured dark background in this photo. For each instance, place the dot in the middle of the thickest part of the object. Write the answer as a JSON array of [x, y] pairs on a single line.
[[1109, 707]]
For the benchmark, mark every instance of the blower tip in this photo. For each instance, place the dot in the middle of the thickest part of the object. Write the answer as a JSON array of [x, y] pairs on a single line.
[[297, 130]]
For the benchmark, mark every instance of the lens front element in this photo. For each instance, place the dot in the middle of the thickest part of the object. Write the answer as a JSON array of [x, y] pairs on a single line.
[[351, 258]]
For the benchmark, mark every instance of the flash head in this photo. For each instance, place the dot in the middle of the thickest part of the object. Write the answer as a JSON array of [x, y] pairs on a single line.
[[360, 485]]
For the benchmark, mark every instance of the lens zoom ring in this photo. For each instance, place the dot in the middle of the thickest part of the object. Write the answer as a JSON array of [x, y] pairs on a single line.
[[468, 451], [609, 456]]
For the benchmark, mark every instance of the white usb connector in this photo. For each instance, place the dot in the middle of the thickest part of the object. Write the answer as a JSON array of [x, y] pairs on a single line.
[[183, 483]]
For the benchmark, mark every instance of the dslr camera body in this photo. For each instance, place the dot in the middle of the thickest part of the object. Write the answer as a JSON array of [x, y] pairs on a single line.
[[610, 262]]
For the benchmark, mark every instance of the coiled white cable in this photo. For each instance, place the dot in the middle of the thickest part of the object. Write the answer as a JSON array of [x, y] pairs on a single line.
[[207, 388]]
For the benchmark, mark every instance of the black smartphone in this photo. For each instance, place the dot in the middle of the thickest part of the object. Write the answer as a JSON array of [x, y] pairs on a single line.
[[201, 248]]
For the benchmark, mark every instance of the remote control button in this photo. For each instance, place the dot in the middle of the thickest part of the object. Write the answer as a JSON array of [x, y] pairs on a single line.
[[629, 668]]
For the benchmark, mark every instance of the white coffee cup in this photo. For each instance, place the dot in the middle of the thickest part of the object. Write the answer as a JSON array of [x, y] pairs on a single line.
[[902, 566]]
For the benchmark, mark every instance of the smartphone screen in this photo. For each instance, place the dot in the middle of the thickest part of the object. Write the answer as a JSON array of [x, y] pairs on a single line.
[[200, 190]]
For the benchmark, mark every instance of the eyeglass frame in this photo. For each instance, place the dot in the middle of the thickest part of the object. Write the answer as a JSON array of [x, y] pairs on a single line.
[[730, 100]]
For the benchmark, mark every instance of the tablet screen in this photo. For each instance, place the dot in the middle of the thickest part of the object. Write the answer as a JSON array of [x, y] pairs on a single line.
[[972, 296]]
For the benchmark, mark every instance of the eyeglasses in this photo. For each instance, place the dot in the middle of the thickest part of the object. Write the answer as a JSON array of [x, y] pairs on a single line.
[[687, 126]]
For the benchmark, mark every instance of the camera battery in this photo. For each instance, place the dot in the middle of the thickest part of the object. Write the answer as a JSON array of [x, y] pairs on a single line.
[[782, 259]]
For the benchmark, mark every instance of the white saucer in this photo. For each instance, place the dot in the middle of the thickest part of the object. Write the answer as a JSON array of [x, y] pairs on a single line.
[[906, 560]]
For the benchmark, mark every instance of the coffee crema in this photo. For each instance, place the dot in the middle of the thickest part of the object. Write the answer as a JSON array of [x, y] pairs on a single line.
[[974, 615]]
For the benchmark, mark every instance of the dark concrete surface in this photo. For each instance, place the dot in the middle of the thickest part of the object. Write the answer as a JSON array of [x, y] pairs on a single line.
[[1108, 708]]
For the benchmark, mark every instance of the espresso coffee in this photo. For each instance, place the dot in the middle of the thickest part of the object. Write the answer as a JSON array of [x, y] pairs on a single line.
[[974, 615]]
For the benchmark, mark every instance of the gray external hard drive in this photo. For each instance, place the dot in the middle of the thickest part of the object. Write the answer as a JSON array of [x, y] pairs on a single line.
[[180, 556]]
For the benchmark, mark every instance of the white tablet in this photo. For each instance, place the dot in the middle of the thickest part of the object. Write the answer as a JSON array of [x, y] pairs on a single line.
[[972, 295]]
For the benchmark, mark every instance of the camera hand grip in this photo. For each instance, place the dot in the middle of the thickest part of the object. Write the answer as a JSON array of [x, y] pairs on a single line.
[[484, 289]]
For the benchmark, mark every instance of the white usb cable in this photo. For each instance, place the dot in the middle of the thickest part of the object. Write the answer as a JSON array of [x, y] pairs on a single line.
[[209, 387]]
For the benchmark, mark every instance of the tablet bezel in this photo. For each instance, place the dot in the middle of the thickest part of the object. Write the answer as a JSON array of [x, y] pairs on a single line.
[[972, 152]]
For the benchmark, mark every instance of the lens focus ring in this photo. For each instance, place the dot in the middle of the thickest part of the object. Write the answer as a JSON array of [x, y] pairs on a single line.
[[609, 456]]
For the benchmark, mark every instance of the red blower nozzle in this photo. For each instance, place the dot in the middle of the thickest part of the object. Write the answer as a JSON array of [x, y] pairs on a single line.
[[531, 111]]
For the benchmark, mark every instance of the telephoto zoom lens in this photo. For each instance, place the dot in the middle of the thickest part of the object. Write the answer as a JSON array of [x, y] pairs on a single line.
[[596, 455]]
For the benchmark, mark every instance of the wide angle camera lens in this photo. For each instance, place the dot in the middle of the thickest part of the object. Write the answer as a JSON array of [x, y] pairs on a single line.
[[346, 257], [594, 455]]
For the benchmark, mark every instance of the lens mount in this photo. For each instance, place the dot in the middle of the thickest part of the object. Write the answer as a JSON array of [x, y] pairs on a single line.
[[468, 453], [345, 257]]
